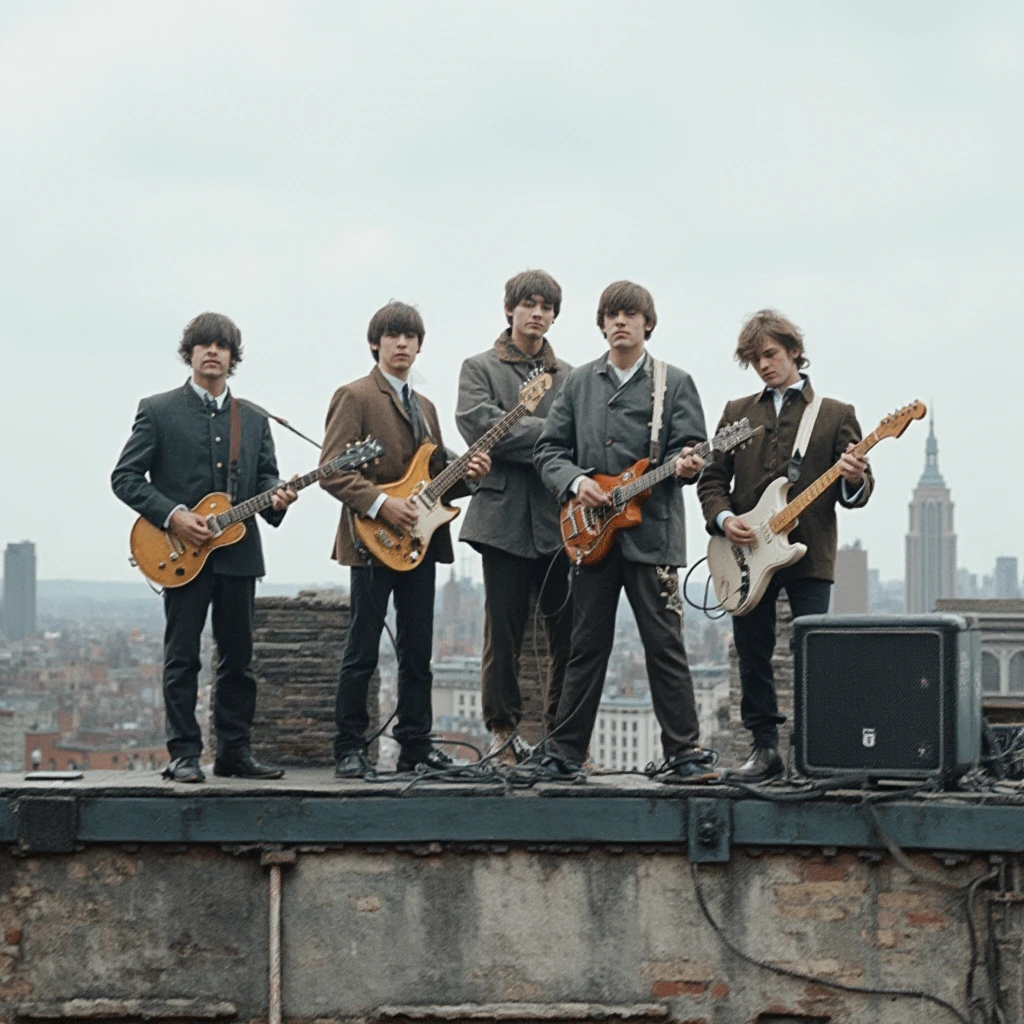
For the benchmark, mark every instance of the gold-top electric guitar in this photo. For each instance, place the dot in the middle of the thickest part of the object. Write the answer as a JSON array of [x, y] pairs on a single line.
[[172, 561], [589, 533], [404, 550], [741, 573]]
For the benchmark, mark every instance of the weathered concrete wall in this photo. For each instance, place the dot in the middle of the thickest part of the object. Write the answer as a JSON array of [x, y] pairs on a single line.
[[364, 929]]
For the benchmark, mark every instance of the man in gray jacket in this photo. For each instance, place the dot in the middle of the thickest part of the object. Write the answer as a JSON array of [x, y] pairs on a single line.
[[601, 423], [512, 518]]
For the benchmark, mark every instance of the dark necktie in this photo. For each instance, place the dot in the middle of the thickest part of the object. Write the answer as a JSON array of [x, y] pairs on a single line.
[[412, 407], [210, 403]]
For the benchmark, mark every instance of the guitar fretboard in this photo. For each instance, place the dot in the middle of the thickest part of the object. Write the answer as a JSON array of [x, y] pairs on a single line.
[[626, 492], [458, 468], [784, 519]]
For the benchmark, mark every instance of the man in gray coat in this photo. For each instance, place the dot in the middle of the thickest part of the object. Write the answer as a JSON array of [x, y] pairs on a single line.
[[601, 423], [512, 518], [178, 452]]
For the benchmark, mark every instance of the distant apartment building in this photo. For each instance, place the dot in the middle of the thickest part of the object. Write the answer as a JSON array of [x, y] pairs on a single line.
[[1006, 580], [931, 538], [850, 594], [19, 716], [109, 749], [18, 609]]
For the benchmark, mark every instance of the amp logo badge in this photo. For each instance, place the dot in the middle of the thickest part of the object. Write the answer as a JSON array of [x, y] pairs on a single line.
[[867, 737]]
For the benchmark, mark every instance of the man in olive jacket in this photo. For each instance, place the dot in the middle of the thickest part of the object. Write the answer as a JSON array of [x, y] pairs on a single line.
[[601, 423], [512, 520], [178, 452], [734, 483]]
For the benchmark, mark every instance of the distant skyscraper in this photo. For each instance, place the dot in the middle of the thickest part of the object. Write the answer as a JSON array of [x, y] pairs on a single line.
[[931, 540], [1005, 578], [850, 594], [18, 619]]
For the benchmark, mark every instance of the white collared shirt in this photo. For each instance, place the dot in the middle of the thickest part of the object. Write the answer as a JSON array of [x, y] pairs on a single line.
[[204, 394], [623, 376], [399, 386]]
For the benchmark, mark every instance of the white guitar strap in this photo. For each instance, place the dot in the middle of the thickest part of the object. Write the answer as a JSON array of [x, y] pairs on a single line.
[[659, 383], [803, 437]]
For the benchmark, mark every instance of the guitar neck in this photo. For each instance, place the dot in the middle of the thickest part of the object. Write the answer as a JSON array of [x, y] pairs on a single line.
[[627, 492], [784, 519], [261, 501], [459, 468]]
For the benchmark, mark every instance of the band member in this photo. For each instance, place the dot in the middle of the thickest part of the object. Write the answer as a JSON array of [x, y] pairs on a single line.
[[383, 404], [512, 518], [179, 451], [601, 423], [735, 482]]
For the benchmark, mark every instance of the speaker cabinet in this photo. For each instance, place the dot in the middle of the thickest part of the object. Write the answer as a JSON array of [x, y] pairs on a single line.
[[892, 696]]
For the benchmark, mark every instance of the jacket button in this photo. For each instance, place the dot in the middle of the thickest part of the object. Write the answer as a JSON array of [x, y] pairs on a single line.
[[220, 465], [216, 439], [609, 440]]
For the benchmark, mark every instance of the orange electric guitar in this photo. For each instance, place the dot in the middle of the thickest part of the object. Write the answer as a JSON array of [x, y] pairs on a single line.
[[171, 561], [404, 550], [589, 533]]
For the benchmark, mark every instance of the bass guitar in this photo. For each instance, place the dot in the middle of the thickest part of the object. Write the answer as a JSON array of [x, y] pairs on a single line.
[[404, 550], [589, 533], [740, 574], [172, 561]]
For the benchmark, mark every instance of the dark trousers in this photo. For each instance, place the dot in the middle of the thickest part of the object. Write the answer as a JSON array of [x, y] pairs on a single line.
[[185, 608], [596, 600], [508, 583], [369, 590], [754, 635]]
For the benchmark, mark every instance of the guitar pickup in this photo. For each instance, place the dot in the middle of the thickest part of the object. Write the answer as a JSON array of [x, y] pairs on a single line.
[[384, 539]]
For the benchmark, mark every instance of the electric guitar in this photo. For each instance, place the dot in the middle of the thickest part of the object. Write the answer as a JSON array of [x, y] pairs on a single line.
[[589, 533], [172, 561], [741, 573], [404, 550]]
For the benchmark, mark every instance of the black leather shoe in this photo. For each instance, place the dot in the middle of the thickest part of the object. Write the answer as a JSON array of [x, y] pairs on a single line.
[[434, 761], [184, 769], [560, 769], [694, 765], [764, 763], [242, 765], [353, 765]]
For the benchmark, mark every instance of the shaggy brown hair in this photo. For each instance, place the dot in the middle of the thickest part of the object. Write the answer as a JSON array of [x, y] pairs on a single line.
[[528, 284], [208, 329], [768, 324], [394, 318], [630, 297]]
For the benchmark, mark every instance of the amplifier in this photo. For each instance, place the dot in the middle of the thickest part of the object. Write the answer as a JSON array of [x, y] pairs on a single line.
[[892, 696]]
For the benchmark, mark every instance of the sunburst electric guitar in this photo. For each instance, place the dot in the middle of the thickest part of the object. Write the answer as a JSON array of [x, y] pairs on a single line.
[[404, 549], [589, 533], [172, 561], [740, 574]]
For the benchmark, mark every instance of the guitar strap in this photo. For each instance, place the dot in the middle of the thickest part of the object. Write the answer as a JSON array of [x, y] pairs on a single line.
[[235, 450], [659, 384], [803, 438]]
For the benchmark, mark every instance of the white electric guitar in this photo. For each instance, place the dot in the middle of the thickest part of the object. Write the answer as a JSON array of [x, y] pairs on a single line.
[[740, 574]]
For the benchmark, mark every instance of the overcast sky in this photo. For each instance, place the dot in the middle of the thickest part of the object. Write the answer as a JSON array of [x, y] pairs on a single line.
[[295, 165]]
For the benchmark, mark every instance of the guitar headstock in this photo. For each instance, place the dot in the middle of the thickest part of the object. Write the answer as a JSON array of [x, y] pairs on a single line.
[[359, 454], [896, 422], [734, 435], [533, 389]]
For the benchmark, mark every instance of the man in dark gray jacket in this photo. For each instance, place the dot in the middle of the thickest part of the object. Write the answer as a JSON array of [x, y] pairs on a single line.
[[601, 423], [178, 452], [512, 518]]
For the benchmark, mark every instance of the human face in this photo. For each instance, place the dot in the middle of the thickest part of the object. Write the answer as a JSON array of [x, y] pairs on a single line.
[[776, 365], [531, 320], [210, 366], [397, 353], [625, 332]]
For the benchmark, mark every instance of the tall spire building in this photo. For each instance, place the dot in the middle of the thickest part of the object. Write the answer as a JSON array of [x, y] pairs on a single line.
[[931, 539]]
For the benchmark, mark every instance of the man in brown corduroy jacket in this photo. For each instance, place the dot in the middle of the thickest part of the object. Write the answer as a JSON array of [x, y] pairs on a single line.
[[734, 483], [383, 404]]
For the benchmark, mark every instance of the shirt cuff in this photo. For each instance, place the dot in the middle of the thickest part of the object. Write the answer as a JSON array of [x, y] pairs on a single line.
[[721, 518], [371, 512], [846, 491], [575, 485], [170, 515]]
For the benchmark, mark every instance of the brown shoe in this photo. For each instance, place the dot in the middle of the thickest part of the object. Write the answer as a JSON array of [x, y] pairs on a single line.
[[502, 750]]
